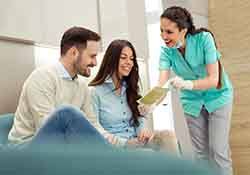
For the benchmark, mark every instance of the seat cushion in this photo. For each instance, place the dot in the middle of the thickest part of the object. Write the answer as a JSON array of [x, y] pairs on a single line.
[[6, 121]]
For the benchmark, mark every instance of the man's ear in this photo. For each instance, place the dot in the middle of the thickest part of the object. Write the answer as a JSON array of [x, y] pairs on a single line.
[[74, 51]]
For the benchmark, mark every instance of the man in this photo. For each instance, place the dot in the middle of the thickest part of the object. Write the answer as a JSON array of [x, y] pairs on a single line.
[[55, 102]]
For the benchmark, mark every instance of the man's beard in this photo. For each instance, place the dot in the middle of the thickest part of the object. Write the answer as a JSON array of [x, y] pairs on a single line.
[[83, 72]]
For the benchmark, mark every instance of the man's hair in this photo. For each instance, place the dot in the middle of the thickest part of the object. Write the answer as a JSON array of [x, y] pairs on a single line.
[[78, 37]]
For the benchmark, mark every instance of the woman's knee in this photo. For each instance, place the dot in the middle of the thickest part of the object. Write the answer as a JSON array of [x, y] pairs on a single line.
[[166, 134], [166, 140]]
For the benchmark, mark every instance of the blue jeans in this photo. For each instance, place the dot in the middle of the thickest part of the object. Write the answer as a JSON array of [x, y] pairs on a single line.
[[67, 125]]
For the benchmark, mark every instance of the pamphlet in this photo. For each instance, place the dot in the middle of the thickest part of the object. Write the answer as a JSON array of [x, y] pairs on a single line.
[[154, 96]]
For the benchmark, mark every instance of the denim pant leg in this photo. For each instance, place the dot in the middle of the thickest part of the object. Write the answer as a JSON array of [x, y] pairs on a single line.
[[68, 125]]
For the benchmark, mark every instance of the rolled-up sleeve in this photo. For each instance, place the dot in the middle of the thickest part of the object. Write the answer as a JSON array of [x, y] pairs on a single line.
[[95, 102], [210, 50], [143, 124], [164, 62]]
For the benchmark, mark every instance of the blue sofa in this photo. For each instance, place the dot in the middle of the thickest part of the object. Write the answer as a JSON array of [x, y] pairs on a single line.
[[78, 161], [6, 121]]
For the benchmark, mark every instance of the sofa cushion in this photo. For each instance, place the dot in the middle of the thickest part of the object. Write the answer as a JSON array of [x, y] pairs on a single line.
[[6, 121]]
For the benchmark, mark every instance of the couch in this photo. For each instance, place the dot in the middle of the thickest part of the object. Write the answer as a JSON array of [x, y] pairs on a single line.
[[89, 161], [6, 121]]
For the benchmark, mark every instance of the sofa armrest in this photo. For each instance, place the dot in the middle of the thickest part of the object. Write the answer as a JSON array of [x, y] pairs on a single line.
[[6, 121]]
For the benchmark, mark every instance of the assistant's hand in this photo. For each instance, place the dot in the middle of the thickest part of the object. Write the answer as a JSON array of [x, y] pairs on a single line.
[[179, 83]]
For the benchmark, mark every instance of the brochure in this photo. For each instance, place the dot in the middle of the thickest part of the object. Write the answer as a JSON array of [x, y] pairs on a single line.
[[154, 96]]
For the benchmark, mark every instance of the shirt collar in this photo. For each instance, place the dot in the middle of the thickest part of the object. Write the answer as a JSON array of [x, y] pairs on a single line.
[[63, 72], [110, 81]]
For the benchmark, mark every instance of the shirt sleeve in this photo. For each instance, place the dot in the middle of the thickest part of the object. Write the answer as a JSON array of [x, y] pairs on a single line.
[[95, 102], [164, 63], [89, 110], [143, 124], [210, 50], [40, 96]]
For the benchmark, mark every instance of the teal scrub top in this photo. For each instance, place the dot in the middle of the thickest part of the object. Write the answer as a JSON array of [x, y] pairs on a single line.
[[200, 50]]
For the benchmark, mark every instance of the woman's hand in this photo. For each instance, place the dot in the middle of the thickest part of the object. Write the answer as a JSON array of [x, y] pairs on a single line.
[[112, 139], [145, 109], [145, 135], [134, 143]]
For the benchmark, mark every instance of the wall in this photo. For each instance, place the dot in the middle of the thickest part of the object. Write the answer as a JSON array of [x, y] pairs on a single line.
[[124, 19], [59, 15], [44, 21], [16, 60], [229, 20], [20, 19]]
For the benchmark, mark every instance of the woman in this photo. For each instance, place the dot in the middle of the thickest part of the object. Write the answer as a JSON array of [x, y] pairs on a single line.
[[206, 92], [115, 96]]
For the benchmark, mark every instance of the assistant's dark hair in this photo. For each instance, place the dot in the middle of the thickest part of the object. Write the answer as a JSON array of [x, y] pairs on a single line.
[[184, 20], [78, 37], [109, 66]]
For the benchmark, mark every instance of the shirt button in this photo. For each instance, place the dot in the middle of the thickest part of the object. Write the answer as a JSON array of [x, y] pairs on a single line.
[[121, 102], [127, 130], [123, 121], [124, 113]]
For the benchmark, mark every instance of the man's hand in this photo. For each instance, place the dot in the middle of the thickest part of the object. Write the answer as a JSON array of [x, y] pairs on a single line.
[[179, 83]]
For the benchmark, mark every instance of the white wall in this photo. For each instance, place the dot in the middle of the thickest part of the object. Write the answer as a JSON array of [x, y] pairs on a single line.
[[124, 19], [17, 62], [44, 21], [59, 15], [113, 21], [21, 19]]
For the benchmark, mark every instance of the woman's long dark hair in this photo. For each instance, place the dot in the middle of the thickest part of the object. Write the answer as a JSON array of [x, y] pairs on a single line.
[[184, 20], [109, 66]]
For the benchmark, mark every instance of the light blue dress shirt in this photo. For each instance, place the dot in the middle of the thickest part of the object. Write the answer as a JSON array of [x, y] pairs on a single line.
[[200, 51], [113, 112], [63, 72]]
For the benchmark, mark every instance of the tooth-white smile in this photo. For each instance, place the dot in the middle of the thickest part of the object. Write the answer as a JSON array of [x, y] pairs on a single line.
[[127, 68]]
